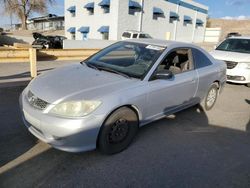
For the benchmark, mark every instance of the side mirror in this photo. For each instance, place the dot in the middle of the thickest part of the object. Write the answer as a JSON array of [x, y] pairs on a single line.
[[163, 74]]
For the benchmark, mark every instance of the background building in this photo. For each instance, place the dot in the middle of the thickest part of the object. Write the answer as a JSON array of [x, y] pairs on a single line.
[[107, 19], [48, 22]]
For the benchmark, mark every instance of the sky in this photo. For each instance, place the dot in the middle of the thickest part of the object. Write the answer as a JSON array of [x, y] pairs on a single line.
[[227, 9]]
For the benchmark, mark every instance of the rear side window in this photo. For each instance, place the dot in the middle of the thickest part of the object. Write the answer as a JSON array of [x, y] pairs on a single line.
[[142, 36], [135, 36], [126, 34], [200, 59]]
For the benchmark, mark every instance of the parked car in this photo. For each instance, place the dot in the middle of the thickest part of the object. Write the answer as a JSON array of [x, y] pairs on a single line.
[[235, 52], [233, 34], [102, 101], [46, 42], [135, 35]]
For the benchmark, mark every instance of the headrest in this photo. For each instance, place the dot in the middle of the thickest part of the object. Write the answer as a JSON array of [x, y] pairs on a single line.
[[176, 59], [182, 52]]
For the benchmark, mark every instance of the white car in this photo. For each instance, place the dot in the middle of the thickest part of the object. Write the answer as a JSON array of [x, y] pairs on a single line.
[[135, 35], [235, 51]]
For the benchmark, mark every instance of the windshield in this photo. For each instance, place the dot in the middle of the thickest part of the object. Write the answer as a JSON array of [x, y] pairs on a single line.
[[131, 59], [235, 45]]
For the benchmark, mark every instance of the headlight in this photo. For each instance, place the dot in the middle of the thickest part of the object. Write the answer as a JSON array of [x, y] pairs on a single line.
[[244, 65], [75, 108]]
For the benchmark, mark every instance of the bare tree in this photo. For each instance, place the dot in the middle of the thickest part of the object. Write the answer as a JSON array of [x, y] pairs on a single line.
[[24, 8]]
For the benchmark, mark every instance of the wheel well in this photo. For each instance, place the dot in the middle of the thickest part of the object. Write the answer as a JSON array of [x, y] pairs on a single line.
[[217, 82], [132, 107]]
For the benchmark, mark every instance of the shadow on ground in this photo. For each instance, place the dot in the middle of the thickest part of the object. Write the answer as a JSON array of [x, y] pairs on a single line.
[[10, 40], [22, 75], [247, 101]]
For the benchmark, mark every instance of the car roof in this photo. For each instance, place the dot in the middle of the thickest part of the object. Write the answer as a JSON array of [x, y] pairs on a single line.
[[162, 43], [134, 31], [239, 37]]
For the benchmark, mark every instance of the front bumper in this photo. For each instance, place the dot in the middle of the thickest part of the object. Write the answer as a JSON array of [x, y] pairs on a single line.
[[72, 135], [238, 75]]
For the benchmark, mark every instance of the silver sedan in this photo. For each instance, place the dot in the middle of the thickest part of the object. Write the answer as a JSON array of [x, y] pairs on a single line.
[[102, 101]]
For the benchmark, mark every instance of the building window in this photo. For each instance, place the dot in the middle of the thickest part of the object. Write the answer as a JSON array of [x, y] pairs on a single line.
[[104, 30], [50, 24], [157, 13], [134, 7], [73, 36], [105, 36], [106, 10], [173, 17], [84, 31], [90, 8], [84, 36], [199, 23], [187, 20], [105, 4], [72, 32], [72, 11]]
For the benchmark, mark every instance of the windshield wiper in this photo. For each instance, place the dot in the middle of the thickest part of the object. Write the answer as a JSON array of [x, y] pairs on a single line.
[[90, 65], [113, 71]]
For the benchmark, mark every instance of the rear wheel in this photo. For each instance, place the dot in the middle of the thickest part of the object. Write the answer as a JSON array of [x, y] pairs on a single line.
[[248, 84], [118, 131], [211, 97]]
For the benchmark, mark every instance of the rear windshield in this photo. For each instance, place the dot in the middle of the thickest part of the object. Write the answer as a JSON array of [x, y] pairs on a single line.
[[126, 34], [235, 45]]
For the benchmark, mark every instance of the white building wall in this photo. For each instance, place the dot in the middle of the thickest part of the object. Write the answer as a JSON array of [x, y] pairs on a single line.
[[94, 21], [158, 28], [125, 20], [119, 20], [185, 33], [199, 33]]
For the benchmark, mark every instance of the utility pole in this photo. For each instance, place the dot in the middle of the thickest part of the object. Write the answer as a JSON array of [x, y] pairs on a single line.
[[11, 21], [194, 25], [141, 15], [176, 22]]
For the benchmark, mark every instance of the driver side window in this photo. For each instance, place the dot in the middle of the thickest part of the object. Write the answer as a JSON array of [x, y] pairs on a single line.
[[177, 61]]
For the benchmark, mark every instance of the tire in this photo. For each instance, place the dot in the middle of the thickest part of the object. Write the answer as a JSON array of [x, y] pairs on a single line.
[[118, 131], [211, 97], [248, 84]]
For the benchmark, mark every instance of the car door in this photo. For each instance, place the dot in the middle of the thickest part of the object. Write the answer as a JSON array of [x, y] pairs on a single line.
[[168, 95], [206, 71]]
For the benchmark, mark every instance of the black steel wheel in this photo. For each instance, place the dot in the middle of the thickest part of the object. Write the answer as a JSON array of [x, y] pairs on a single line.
[[118, 131]]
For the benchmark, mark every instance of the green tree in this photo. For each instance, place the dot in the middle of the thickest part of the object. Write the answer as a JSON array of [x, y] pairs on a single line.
[[24, 8]]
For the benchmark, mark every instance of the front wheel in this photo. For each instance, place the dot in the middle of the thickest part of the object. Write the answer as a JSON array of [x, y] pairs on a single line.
[[118, 131], [211, 97]]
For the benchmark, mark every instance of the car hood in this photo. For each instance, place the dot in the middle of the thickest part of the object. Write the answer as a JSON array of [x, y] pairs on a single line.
[[77, 82], [230, 56]]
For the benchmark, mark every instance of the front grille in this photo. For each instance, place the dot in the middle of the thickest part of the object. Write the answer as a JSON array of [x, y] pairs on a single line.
[[36, 102], [231, 64]]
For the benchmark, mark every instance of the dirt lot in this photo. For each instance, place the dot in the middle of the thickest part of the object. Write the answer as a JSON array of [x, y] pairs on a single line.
[[191, 149]]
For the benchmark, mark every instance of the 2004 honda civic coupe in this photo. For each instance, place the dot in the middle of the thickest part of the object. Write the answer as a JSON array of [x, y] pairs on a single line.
[[102, 101]]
